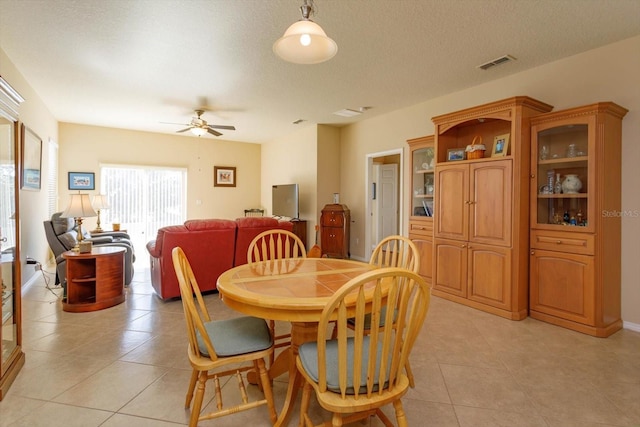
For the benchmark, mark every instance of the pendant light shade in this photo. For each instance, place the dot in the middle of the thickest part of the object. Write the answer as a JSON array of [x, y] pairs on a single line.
[[305, 42]]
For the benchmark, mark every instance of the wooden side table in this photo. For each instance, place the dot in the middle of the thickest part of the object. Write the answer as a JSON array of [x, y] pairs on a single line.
[[95, 280]]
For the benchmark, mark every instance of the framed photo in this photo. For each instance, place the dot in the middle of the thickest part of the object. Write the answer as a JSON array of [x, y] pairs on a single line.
[[82, 181], [454, 154], [500, 145], [31, 164], [224, 176]]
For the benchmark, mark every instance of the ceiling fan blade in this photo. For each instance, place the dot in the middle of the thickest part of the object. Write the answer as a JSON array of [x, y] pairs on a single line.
[[222, 127], [172, 123], [184, 130], [213, 132]]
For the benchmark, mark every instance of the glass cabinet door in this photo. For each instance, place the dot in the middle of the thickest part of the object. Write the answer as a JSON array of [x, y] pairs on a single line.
[[9, 331], [423, 184], [561, 164]]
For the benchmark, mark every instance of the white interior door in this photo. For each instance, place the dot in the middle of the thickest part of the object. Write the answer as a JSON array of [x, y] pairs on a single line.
[[388, 202], [384, 199]]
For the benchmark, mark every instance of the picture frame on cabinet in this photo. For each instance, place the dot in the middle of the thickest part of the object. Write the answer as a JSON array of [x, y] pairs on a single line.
[[455, 154], [500, 145]]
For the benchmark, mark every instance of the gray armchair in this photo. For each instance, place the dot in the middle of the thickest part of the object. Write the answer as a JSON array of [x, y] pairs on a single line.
[[62, 236]]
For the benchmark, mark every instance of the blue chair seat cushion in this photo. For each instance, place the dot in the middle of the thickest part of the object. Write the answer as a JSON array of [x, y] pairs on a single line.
[[308, 353], [367, 318], [232, 337]]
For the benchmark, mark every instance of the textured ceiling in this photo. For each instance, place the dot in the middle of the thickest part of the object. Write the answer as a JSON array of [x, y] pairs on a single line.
[[133, 64]]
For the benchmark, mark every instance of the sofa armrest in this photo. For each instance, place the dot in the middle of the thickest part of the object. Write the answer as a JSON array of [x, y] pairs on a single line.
[[114, 234], [101, 240], [153, 250]]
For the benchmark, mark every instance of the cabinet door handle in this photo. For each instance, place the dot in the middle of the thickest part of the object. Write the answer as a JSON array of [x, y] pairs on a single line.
[[533, 252], [558, 242], [533, 175], [463, 246]]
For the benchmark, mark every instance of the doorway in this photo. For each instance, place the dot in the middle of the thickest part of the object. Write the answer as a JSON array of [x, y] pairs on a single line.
[[383, 175]]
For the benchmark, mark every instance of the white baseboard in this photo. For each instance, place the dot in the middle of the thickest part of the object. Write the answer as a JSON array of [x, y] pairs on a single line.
[[631, 326]]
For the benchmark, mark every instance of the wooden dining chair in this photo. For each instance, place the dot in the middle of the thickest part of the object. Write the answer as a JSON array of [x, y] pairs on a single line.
[[357, 373], [395, 251], [273, 245], [221, 348]]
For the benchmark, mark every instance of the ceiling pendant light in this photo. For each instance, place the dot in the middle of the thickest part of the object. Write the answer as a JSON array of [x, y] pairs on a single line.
[[305, 42]]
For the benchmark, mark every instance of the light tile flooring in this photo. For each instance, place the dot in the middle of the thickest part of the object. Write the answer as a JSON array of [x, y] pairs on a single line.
[[126, 366]]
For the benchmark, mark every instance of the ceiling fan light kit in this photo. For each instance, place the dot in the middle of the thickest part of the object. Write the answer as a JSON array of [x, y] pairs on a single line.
[[198, 131], [305, 42], [200, 127]]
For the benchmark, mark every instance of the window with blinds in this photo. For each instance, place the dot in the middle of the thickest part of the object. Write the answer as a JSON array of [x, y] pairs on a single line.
[[143, 199]]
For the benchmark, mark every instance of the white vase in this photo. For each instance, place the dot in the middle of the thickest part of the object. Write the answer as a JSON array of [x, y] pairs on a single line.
[[571, 184]]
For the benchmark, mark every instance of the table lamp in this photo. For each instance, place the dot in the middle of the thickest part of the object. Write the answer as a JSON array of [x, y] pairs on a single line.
[[79, 207], [100, 201]]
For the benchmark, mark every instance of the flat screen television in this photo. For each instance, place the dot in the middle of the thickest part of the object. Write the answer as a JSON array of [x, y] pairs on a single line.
[[284, 201]]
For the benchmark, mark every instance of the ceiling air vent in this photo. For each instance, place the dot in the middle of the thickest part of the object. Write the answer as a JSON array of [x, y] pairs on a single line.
[[497, 61]]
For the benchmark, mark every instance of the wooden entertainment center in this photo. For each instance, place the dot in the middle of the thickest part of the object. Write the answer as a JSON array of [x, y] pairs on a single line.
[[502, 232]]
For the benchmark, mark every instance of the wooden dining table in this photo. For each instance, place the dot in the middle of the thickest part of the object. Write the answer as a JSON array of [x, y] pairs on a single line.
[[293, 290]]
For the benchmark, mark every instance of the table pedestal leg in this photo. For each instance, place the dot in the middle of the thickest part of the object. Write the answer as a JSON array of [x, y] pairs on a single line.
[[301, 332]]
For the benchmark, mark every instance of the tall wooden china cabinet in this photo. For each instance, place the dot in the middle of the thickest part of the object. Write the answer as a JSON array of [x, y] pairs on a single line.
[[422, 162], [576, 218], [12, 357], [481, 206]]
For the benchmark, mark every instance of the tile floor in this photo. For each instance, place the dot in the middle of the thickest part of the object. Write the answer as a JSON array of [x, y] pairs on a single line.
[[126, 366]]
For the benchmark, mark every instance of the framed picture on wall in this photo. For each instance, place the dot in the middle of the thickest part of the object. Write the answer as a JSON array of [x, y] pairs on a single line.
[[224, 176], [31, 162], [82, 181]]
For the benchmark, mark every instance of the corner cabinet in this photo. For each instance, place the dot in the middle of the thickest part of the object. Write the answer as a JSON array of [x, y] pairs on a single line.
[[335, 223], [481, 207], [422, 158], [575, 271], [11, 355]]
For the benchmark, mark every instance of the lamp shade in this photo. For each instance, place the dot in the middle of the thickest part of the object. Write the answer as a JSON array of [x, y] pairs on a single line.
[[79, 207], [305, 42], [100, 201]]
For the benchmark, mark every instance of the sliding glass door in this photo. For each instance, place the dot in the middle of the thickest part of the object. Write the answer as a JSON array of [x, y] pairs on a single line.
[[143, 199]]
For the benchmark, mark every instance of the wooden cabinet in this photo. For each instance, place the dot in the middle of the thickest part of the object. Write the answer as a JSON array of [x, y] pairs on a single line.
[[95, 280], [481, 208], [300, 230], [11, 355], [335, 224], [421, 208], [575, 229]]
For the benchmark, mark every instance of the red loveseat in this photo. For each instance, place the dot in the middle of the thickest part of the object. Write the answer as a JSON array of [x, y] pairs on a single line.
[[212, 246]]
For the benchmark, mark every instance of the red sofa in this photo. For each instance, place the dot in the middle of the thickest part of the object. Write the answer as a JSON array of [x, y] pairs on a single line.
[[212, 246]]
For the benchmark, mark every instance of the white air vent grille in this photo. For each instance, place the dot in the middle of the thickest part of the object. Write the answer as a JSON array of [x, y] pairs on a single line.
[[497, 61]]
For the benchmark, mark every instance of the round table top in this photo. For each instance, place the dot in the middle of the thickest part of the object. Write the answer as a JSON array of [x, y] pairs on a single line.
[[95, 251], [294, 290]]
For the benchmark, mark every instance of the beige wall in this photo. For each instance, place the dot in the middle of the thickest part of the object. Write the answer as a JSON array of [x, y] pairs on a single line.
[[292, 159], [84, 148], [33, 204], [606, 74]]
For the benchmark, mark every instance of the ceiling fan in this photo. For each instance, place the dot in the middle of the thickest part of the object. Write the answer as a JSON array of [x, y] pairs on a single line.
[[199, 126]]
